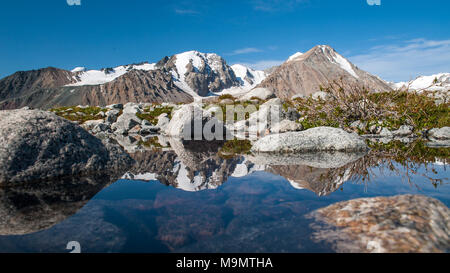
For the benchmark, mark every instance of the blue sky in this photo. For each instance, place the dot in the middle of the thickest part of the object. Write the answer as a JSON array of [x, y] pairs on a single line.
[[397, 40]]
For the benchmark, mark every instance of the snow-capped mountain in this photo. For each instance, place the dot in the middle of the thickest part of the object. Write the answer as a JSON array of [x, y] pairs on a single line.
[[196, 73], [305, 73], [95, 77], [436, 82]]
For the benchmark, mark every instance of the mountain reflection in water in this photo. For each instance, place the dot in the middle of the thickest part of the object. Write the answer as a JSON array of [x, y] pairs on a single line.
[[212, 203]]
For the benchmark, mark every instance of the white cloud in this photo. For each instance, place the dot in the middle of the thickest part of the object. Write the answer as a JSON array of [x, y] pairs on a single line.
[[245, 51], [263, 64], [406, 60]]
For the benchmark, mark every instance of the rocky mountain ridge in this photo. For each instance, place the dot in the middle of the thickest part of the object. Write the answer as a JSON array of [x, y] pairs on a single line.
[[185, 77]]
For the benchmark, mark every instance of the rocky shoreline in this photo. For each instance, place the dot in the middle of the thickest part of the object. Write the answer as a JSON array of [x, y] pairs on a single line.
[[145, 142]]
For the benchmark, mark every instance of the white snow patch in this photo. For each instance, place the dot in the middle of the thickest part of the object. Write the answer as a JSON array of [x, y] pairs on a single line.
[[436, 82], [96, 77], [344, 64], [78, 69], [141, 176], [295, 56]]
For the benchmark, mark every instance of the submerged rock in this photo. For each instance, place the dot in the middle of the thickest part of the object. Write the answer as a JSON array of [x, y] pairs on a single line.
[[37, 145], [316, 139], [404, 223]]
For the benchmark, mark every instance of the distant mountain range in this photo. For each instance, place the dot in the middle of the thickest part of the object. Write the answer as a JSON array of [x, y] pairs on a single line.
[[437, 82], [181, 78]]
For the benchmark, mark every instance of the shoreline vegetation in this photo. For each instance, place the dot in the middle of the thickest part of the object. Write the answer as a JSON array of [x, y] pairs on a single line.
[[355, 109]]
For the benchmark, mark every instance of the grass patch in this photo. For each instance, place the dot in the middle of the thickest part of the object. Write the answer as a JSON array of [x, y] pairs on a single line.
[[151, 142], [234, 147], [79, 114], [417, 151], [152, 115], [241, 110], [227, 97], [387, 109]]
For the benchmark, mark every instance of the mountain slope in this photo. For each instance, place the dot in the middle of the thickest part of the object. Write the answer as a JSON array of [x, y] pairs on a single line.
[[177, 79], [60, 88], [303, 74], [199, 73]]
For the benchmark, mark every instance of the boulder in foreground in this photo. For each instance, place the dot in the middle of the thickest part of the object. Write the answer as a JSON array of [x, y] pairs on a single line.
[[315, 139], [37, 145], [399, 224]]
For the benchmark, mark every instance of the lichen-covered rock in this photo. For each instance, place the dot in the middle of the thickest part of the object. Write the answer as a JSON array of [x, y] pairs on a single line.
[[404, 223], [37, 145], [315, 139]]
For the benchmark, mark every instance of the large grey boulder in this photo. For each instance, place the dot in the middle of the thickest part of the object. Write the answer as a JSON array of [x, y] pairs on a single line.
[[37, 145], [191, 122], [126, 122], [315, 139]]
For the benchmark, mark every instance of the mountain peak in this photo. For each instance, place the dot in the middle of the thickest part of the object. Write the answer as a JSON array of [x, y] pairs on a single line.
[[304, 74]]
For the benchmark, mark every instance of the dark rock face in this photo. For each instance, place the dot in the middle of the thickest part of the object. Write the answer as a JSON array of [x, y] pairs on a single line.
[[47, 90], [404, 223], [135, 86], [37, 145], [318, 67], [203, 73], [24, 83]]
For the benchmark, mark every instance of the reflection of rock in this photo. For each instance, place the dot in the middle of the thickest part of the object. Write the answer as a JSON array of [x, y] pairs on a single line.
[[37, 145], [154, 165], [191, 166], [30, 207], [320, 181], [404, 223], [316, 160]]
